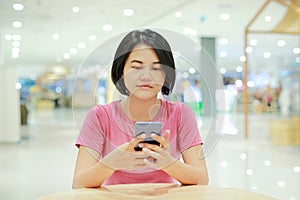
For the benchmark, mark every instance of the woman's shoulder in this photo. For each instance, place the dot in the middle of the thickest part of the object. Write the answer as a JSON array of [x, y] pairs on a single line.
[[174, 105], [109, 107], [178, 109]]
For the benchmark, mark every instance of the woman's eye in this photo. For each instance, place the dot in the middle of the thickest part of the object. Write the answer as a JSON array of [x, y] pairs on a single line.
[[136, 67], [156, 68]]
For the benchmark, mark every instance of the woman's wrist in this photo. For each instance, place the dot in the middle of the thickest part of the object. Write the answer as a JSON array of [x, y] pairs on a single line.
[[170, 167], [106, 167]]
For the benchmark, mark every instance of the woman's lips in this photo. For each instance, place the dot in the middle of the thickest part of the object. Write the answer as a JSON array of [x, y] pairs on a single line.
[[145, 86]]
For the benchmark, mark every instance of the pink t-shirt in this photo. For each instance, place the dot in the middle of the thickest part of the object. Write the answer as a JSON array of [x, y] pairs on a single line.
[[106, 127]]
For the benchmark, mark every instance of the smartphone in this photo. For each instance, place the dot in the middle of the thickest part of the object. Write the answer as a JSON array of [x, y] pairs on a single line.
[[147, 128]]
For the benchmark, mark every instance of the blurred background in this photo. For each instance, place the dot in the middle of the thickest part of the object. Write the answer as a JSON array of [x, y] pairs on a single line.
[[238, 69]]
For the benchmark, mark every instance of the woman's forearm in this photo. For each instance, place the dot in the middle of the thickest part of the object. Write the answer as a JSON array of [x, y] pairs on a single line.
[[187, 174], [92, 177]]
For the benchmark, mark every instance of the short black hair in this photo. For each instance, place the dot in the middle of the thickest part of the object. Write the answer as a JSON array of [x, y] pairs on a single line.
[[159, 44]]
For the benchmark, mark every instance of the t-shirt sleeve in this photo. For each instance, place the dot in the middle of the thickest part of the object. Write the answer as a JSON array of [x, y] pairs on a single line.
[[91, 134], [189, 134]]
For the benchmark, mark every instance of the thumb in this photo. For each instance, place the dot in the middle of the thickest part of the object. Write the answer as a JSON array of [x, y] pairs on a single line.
[[130, 145]]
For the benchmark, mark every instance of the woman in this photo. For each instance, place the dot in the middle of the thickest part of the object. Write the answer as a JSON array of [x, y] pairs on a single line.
[[143, 68]]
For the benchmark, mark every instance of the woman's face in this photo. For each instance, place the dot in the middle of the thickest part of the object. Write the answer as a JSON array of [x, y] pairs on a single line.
[[143, 73]]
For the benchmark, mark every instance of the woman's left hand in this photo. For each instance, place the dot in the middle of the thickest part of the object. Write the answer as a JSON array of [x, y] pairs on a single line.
[[159, 156]]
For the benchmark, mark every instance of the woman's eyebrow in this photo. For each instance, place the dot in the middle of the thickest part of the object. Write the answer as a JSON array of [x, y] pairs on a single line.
[[137, 61], [140, 62]]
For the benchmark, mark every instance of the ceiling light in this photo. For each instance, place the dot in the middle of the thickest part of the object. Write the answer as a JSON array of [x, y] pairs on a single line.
[[223, 54], [223, 41], [17, 24], [185, 75], [107, 27], [223, 70], [190, 31], [55, 36], [281, 183], [75, 9], [187, 31], [15, 50], [267, 55], [16, 37], [81, 45], [250, 84], [224, 16], [239, 68], [194, 32], [73, 51], [128, 12], [249, 50], [268, 18], [18, 6], [253, 42], [296, 50], [18, 85], [192, 70], [178, 14], [249, 172], [238, 83], [15, 55], [92, 37], [66, 56], [8, 37], [223, 164], [243, 156], [281, 43], [297, 169], [267, 163], [243, 58]]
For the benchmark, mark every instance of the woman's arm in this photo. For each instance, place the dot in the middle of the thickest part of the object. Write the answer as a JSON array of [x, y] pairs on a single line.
[[89, 172], [193, 170]]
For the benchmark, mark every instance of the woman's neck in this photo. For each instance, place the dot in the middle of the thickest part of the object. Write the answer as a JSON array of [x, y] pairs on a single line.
[[139, 109]]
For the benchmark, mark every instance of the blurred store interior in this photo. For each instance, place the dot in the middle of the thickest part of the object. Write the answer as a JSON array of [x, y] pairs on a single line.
[[55, 58]]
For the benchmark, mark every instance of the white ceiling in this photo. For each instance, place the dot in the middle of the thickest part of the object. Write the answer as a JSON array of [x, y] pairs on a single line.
[[42, 18]]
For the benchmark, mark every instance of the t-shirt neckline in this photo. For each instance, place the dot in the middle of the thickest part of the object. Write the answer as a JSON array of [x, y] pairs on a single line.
[[124, 116]]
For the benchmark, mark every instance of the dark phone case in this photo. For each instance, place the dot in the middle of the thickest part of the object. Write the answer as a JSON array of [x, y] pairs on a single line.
[[146, 140]]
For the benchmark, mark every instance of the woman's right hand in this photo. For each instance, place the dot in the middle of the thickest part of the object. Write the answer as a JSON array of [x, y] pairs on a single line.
[[125, 157]]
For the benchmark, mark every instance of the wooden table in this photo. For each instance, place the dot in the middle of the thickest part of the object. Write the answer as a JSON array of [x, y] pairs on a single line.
[[157, 191]]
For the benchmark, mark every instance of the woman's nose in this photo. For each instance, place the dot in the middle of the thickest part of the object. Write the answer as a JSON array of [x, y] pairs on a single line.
[[146, 73]]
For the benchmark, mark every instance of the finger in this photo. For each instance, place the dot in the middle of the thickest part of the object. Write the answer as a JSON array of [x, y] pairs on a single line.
[[167, 135], [164, 141], [154, 154], [148, 163], [152, 147], [132, 143], [143, 135], [123, 146], [138, 155], [139, 161]]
